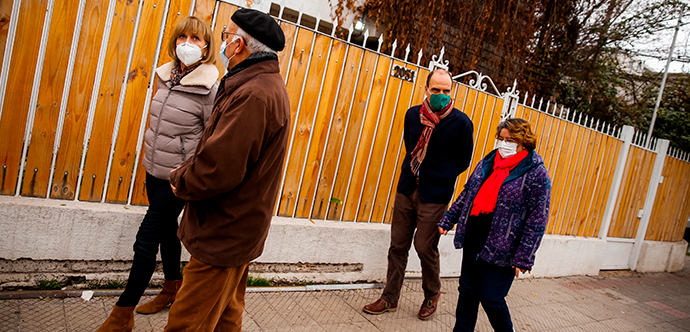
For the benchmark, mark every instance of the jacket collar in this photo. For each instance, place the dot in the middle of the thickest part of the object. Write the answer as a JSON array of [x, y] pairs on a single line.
[[531, 161], [237, 76], [205, 75]]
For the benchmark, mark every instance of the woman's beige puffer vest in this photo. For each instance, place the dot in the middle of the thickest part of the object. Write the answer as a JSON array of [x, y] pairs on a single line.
[[177, 117]]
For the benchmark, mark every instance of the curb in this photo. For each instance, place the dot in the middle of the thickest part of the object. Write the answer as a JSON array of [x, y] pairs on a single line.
[[61, 294]]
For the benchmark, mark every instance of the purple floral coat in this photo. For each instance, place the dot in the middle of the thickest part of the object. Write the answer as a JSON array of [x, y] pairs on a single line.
[[521, 214]]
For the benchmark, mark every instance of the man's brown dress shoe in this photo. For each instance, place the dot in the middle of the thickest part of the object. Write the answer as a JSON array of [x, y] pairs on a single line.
[[428, 308], [379, 307]]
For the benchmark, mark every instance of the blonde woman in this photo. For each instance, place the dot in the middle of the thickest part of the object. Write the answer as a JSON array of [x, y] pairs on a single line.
[[179, 111], [501, 216]]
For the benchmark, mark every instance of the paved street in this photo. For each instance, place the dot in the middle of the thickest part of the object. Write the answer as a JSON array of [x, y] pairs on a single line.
[[612, 301]]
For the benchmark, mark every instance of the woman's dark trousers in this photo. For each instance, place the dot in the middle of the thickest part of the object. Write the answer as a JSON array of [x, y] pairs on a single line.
[[159, 227]]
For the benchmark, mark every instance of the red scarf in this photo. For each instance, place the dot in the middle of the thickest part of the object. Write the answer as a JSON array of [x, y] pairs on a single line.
[[429, 119], [485, 202]]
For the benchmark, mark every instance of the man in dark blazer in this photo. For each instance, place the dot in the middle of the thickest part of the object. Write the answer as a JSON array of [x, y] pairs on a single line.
[[438, 141]]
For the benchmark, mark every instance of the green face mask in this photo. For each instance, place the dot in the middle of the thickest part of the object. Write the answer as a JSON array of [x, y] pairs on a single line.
[[439, 101]]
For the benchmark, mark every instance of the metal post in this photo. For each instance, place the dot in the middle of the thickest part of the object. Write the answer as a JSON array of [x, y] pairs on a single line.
[[626, 136], [663, 82], [661, 150]]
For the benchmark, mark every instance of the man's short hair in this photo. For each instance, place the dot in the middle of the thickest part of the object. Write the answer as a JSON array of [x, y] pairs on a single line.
[[253, 44], [428, 78]]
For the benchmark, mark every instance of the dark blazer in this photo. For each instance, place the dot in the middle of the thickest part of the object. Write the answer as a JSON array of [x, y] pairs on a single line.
[[448, 154]]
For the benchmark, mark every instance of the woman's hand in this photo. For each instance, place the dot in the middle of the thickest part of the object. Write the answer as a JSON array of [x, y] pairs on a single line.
[[518, 270], [442, 231]]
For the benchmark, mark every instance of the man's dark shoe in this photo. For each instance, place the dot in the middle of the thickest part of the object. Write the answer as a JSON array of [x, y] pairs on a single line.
[[379, 307], [428, 308]]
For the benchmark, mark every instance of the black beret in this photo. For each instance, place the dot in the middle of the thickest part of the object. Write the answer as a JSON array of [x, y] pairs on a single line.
[[260, 26]]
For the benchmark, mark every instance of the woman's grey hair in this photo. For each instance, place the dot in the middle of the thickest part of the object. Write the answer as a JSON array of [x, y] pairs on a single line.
[[252, 43]]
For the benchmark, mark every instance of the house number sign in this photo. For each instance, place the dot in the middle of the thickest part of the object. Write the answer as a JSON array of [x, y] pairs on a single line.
[[403, 73]]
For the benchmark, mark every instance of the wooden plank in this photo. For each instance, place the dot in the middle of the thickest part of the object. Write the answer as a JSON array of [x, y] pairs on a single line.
[[571, 165], [179, 9], [303, 125], [586, 197], [203, 9], [574, 181], [493, 105], [417, 99], [107, 102], [361, 161], [554, 137], [621, 199], [71, 143], [323, 123], [520, 111], [139, 75], [338, 130], [5, 16], [578, 200], [379, 151], [296, 77], [613, 147], [559, 177], [544, 133], [54, 71], [392, 158], [225, 11], [290, 31], [461, 104], [347, 158], [18, 93]]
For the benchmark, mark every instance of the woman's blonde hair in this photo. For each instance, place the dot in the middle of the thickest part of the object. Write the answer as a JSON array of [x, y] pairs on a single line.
[[194, 25], [520, 130]]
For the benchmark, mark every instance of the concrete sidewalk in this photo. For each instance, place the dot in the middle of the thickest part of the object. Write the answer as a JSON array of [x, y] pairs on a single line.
[[613, 301]]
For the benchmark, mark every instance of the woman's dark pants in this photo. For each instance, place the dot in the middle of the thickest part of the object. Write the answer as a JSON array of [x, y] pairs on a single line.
[[159, 227]]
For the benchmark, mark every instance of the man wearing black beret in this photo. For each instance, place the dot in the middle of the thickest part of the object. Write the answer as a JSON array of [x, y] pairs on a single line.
[[231, 182]]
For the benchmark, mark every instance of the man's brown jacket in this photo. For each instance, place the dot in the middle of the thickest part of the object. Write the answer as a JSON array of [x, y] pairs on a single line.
[[232, 180]]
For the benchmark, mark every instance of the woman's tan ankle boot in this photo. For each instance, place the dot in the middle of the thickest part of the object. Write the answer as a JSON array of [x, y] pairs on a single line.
[[165, 297], [121, 319]]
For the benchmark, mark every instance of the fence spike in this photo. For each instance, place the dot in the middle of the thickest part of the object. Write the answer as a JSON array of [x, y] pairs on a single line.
[[561, 112], [608, 126], [541, 100], [395, 45], [579, 119], [524, 102], [597, 125], [548, 104], [419, 57], [407, 52], [533, 99], [567, 113], [366, 35]]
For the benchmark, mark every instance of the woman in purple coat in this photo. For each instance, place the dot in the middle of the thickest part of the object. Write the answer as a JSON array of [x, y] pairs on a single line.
[[501, 216]]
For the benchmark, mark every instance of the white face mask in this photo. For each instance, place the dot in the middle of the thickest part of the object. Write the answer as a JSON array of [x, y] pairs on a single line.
[[188, 53], [223, 58], [507, 149]]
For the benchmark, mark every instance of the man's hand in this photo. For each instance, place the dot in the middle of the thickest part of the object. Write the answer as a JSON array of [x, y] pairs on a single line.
[[442, 231], [518, 270]]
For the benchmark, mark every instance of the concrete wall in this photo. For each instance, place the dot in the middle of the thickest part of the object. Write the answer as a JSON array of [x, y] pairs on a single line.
[[46, 239]]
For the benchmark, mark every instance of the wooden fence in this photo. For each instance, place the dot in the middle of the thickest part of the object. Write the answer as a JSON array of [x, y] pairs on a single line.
[[77, 79]]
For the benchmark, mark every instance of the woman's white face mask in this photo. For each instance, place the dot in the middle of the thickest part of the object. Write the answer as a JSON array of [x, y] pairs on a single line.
[[188, 53], [507, 149]]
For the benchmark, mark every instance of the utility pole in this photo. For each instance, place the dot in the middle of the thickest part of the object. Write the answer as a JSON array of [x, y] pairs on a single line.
[[663, 81]]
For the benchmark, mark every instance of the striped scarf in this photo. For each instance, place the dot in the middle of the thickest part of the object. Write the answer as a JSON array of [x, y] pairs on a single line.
[[429, 119]]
